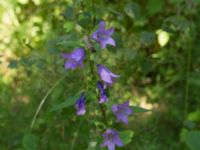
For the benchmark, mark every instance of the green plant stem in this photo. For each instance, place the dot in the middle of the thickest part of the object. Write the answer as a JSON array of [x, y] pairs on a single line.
[[91, 64], [44, 99], [187, 80], [93, 10], [74, 3]]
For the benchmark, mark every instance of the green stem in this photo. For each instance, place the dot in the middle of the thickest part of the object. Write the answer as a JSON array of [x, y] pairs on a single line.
[[93, 10], [187, 80], [94, 78], [43, 100]]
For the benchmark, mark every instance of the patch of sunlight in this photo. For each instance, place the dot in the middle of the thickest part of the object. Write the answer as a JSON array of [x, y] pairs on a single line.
[[37, 2], [194, 116], [24, 99], [24, 2], [143, 102], [146, 105], [37, 19], [34, 31], [9, 18], [163, 37], [6, 73]]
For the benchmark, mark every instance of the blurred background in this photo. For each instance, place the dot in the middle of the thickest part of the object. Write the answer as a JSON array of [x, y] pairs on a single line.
[[157, 56]]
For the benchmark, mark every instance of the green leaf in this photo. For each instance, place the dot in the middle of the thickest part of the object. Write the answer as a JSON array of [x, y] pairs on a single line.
[[126, 136], [13, 64], [155, 6], [193, 140], [68, 14], [30, 142], [137, 109], [132, 10], [147, 37], [69, 102]]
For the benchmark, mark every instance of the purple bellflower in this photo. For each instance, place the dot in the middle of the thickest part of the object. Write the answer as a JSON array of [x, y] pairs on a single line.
[[80, 105], [103, 36], [111, 138], [74, 59], [106, 75], [122, 111], [103, 98]]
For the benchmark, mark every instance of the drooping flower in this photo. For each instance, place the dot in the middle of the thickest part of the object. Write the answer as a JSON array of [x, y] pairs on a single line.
[[111, 138], [122, 111], [74, 59], [80, 105], [106, 75], [103, 36], [103, 98]]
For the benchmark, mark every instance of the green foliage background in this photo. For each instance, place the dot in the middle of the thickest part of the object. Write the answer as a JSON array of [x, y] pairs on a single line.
[[157, 56]]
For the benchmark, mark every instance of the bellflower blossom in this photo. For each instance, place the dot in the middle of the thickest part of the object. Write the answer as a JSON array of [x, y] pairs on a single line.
[[122, 111], [103, 36], [111, 138], [80, 105], [103, 98], [74, 59], [106, 75]]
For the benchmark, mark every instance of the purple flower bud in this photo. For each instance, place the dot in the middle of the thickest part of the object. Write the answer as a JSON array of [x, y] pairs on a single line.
[[106, 75], [122, 111], [103, 98], [103, 36], [111, 138], [74, 59], [80, 105]]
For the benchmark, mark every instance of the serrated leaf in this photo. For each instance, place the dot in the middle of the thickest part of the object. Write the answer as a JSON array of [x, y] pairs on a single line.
[[137, 109], [126, 136]]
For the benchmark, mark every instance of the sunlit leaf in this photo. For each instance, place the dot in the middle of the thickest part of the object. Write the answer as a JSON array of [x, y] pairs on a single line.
[[163, 37], [126, 136]]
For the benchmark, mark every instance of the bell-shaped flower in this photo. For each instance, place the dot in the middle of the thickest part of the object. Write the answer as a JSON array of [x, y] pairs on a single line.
[[122, 111], [102, 96], [103, 36], [111, 138], [80, 105], [106, 75], [74, 59]]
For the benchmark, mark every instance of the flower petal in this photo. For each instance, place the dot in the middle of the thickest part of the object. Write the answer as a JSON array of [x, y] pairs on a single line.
[[70, 64], [65, 55], [78, 54], [111, 146], [102, 26], [104, 74], [95, 36], [110, 41], [110, 31]]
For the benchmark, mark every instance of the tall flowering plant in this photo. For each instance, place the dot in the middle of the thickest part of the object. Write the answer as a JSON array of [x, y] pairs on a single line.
[[104, 79]]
